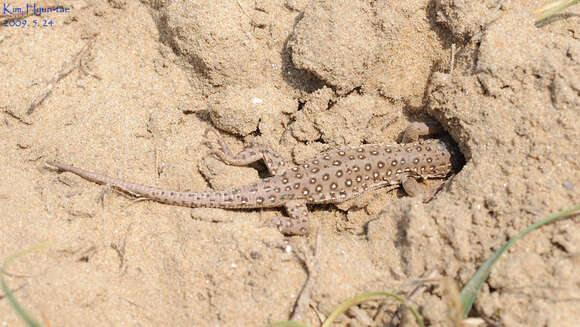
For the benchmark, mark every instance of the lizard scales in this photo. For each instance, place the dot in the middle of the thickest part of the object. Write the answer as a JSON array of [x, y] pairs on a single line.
[[331, 177]]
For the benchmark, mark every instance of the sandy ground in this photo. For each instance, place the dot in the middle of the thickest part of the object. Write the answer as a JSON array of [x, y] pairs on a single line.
[[135, 83]]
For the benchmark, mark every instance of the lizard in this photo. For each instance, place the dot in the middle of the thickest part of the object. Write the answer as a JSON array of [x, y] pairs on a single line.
[[331, 177]]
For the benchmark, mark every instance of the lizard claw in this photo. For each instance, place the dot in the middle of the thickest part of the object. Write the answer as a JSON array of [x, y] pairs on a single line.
[[223, 152], [290, 227], [210, 130]]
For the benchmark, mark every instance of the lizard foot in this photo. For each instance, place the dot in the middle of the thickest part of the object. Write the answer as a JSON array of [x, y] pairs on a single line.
[[290, 226], [274, 163]]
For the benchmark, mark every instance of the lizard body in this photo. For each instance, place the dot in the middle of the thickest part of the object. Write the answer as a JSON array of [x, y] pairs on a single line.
[[331, 177]]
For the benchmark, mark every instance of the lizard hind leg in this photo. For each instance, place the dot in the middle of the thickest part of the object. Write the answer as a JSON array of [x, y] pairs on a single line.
[[297, 223], [274, 163]]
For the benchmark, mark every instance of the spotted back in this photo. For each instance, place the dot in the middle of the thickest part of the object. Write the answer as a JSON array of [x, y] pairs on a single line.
[[339, 175]]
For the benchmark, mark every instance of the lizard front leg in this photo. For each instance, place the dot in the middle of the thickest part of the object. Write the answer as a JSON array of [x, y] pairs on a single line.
[[412, 188], [274, 163], [417, 129], [297, 223], [409, 183]]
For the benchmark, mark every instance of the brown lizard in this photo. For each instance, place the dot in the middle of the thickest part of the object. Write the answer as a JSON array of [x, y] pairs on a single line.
[[331, 177]]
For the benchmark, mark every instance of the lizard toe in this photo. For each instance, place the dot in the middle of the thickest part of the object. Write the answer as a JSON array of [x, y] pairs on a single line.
[[290, 226]]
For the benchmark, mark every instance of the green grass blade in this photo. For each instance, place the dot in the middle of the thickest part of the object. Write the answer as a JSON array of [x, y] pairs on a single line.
[[287, 323], [469, 292], [554, 8], [364, 297], [352, 302], [20, 311]]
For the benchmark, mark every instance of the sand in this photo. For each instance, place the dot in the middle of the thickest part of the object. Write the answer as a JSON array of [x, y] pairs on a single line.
[[127, 88]]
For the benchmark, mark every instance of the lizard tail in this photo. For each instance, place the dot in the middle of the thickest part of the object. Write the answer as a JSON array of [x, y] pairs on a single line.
[[223, 199]]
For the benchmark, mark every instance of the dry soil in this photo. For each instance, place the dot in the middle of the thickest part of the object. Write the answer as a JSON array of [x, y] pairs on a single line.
[[128, 87]]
